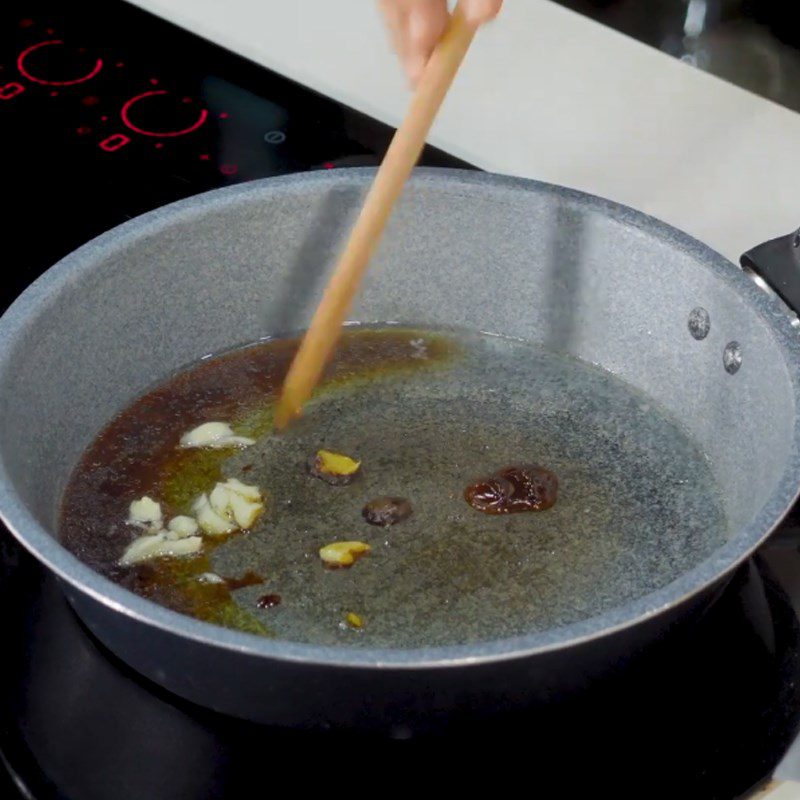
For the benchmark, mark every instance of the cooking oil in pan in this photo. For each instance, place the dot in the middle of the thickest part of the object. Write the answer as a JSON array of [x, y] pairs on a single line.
[[426, 413]]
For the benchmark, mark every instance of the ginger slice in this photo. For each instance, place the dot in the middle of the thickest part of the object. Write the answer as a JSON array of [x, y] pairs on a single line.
[[343, 554]]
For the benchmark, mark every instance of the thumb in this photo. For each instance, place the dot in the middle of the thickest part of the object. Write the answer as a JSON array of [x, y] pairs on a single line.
[[476, 12]]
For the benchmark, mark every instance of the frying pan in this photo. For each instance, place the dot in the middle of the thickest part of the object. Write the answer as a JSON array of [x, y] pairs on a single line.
[[540, 263]]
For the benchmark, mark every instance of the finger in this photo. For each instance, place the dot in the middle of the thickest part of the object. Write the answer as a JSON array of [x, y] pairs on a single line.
[[395, 14], [427, 20], [476, 12]]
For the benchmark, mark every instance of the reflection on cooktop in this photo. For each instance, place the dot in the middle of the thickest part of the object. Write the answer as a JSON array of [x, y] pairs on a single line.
[[706, 715]]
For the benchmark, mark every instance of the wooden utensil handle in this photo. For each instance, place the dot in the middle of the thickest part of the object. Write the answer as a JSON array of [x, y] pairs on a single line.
[[402, 155]]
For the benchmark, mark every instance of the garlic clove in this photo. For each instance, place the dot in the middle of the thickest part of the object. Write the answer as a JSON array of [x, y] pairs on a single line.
[[209, 520], [214, 435], [145, 513], [182, 526], [210, 577], [220, 500], [237, 441], [206, 434], [252, 493], [244, 512], [142, 549], [181, 547]]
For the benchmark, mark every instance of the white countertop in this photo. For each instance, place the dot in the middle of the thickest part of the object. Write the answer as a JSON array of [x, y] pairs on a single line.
[[548, 94]]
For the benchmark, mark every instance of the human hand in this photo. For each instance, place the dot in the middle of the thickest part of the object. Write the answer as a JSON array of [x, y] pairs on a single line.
[[416, 26]]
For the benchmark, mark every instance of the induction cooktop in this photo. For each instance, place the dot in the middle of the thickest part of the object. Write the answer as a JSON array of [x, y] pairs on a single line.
[[107, 112]]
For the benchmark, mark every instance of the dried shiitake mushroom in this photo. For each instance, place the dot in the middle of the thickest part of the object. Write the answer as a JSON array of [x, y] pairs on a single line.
[[386, 510]]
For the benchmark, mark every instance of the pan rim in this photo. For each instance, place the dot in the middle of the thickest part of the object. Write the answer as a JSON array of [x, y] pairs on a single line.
[[721, 562]]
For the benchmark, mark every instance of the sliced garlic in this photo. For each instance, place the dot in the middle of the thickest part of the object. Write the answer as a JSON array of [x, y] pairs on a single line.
[[145, 513], [214, 435], [142, 549], [220, 499], [182, 526], [244, 512], [157, 545], [209, 520], [231, 500], [210, 577], [245, 490], [181, 547]]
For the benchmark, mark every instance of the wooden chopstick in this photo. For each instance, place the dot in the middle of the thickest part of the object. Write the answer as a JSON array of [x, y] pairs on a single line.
[[403, 153]]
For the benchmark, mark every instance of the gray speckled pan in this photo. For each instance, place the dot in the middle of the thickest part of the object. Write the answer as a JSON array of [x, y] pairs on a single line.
[[570, 272]]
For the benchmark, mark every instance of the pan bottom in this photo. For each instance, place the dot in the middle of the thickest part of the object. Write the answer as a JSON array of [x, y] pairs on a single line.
[[637, 502]]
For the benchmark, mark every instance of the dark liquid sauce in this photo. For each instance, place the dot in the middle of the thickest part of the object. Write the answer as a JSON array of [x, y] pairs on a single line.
[[248, 579], [136, 454], [269, 601], [425, 413], [514, 489]]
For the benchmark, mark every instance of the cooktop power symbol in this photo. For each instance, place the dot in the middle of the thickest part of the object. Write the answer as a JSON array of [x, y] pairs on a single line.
[[155, 113], [274, 137], [52, 64]]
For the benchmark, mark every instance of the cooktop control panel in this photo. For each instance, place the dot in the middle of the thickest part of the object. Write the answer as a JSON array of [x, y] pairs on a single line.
[[107, 112]]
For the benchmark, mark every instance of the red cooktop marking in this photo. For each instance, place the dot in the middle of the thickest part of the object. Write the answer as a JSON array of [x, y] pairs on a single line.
[[11, 90], [114, 142], [24, 71], [125, 114]]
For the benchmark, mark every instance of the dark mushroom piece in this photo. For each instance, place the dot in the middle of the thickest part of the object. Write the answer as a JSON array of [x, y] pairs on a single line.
[[386, 511]]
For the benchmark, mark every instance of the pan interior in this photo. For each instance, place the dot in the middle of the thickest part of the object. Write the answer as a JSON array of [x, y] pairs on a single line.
[[637, 505]]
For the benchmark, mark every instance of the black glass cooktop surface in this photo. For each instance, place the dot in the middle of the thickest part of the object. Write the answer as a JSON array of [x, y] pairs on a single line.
[[107, 112]]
